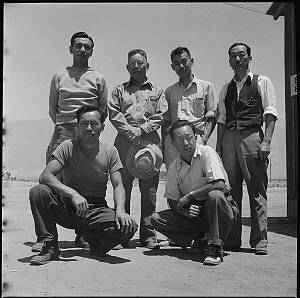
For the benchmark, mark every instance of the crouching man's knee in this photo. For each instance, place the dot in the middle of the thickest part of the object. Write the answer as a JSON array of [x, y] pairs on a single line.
[[38, 192]]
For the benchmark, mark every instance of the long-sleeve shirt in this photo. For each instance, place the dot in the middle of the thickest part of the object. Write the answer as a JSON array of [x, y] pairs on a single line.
[[265, 89], [72, 88], [141, 106], [196, 103]]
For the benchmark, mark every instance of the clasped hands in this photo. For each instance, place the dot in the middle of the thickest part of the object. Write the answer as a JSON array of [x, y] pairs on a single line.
[[186, 208]]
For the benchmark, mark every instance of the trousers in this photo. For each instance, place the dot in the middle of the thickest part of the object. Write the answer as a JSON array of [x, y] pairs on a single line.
[[148, 188], [239, 156], [216, 221], [48, 209], [61, 133]]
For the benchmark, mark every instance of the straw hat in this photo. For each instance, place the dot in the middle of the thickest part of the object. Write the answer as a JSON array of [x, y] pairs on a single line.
[[144, 160]]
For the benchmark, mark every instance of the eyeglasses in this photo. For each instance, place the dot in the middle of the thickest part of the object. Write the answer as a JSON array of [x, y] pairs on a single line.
[[140, 64], [79, 45]]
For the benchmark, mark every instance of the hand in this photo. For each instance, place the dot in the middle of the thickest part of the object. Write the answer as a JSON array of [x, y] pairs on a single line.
[[125, 222], [134, 133], [263, 150], [193, 211], [81, 204], [184, 202]]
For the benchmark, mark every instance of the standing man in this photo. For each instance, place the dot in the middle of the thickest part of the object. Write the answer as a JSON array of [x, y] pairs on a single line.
[[71, 88], [189, 99], [79, 201], [198, 193], [135, 110], [245, 103]]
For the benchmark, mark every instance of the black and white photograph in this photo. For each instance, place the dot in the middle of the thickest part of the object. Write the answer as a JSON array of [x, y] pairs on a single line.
[[149, 149]]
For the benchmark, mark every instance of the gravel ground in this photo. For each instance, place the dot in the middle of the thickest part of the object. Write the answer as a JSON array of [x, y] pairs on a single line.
[[170, 271]]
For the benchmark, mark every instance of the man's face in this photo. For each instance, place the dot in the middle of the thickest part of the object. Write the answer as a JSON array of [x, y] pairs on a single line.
[[82, 49], [182, 65], [185, 141], [89, 127], [137, 66], [239, 59]]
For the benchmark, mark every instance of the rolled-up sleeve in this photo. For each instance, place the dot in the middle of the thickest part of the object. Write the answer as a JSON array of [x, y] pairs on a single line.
[[53, 99], [221, 105], [268, 98], [211, 101]]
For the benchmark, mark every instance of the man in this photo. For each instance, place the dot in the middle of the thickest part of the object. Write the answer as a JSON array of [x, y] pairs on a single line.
[[135, 110], [80, 202], [189, 99], [71, 88], [197, 190], [245, 103]]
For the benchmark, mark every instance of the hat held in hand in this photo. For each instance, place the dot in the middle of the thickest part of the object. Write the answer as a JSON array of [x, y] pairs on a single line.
[[144, 160]]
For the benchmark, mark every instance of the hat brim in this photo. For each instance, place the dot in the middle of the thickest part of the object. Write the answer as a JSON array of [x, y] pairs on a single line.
[[133, 149]]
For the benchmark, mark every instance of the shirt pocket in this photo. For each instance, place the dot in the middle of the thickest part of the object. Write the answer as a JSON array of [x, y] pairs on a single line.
[[193, 105]]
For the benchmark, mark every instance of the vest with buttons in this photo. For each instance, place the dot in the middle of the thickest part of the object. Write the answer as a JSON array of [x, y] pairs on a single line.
[[245, 111]]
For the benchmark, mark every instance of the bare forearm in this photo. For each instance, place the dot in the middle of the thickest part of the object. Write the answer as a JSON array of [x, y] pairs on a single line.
[[269, 127], [56, 185], [119, 197], [211, 123]]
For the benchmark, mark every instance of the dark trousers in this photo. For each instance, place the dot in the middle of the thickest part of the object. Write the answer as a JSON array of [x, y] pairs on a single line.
[[239, 155], [148, 188], [216, 221], [48, 209]]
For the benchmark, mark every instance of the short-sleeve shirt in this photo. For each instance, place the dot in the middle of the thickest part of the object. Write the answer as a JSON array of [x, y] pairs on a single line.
[[206, 166], [87, 173], [196, 103]]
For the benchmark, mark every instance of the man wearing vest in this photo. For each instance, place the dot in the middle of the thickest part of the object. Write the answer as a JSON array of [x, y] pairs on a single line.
[[245, 103]]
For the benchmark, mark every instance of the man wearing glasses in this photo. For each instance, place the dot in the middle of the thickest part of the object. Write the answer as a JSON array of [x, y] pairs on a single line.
[[189, 99], [135, 110]]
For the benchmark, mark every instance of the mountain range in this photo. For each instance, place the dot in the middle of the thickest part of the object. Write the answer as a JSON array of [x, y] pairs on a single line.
[[25, 143]]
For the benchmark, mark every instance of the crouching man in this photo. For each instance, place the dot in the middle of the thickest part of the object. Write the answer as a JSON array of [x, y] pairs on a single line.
[[79, 203], [202, 210]]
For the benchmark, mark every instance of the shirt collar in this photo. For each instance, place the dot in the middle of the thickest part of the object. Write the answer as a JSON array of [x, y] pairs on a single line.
[[196, 154], [132, 82], [193, 81], [249, 73]]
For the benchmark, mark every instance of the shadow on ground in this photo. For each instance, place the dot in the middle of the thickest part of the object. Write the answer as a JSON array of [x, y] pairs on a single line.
[[180, 253], [279, 225]]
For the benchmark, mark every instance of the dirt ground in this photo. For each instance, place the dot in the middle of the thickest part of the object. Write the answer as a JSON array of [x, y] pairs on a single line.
[[170, 271]]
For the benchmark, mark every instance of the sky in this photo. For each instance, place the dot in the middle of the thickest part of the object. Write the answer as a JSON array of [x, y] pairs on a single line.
[[37, 37]]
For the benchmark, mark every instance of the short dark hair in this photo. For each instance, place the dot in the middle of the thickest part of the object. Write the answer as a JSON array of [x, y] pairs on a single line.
[[81, 35], [248, 49], [90, 108], [180, 123], [179, 51], [137, 51]]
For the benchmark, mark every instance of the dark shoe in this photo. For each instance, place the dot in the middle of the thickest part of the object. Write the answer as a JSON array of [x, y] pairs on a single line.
[[214, 255], [37, 247], [94, 245], [80, 242], [50, 252], [261, 249], [199, 245], [151, 244]]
